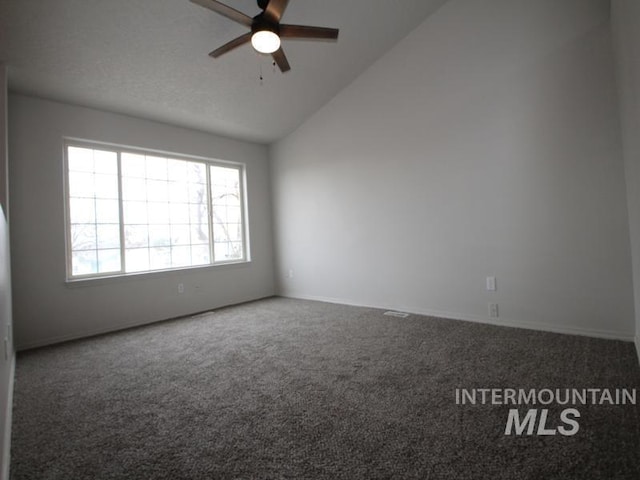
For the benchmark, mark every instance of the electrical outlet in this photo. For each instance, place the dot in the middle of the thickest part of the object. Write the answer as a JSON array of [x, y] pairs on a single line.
[[181, 287], [491, 284], [493, 310], [290, 273]]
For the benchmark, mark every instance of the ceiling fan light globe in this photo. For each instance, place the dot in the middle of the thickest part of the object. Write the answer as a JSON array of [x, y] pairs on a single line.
[[265, 41]]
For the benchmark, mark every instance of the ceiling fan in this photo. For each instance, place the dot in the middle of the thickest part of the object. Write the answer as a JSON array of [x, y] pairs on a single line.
[[266, 29]]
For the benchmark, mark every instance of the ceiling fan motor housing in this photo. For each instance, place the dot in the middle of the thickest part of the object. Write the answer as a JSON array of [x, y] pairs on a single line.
[[260, 23]]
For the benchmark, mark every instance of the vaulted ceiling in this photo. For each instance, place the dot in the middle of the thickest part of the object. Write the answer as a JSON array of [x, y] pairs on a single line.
[[148, 58]]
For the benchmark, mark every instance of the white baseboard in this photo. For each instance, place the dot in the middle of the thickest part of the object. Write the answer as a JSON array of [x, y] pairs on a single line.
[[8, 415], [77, 336], [112, 329], [502, 322]]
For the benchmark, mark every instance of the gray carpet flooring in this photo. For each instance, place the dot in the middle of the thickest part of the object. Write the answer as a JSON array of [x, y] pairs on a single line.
[[289, 389]]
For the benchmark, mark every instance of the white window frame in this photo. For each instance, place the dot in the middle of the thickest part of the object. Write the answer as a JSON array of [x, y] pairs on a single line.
[[119, 150]]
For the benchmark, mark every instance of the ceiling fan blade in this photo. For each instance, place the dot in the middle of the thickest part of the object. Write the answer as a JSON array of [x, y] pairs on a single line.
[[303, 31], [275, 9], [281, 59], [225, 10], [235, 43]]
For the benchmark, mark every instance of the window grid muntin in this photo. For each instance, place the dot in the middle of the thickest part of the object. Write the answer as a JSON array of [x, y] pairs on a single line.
[[119, 151], [180, 248], [91, 197]]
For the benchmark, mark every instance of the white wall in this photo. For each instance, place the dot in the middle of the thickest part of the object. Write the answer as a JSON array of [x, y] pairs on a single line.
[[46, 309], [625, 20], [7, 357], [484, 143]]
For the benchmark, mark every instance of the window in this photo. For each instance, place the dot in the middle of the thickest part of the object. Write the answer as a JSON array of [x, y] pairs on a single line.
[[135, 211]]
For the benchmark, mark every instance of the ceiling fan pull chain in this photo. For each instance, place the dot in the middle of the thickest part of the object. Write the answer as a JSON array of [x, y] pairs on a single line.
[[274, 66], [261, 79]]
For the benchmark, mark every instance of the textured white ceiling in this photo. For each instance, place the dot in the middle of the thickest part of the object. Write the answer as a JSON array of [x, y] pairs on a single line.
[[149, 58]]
